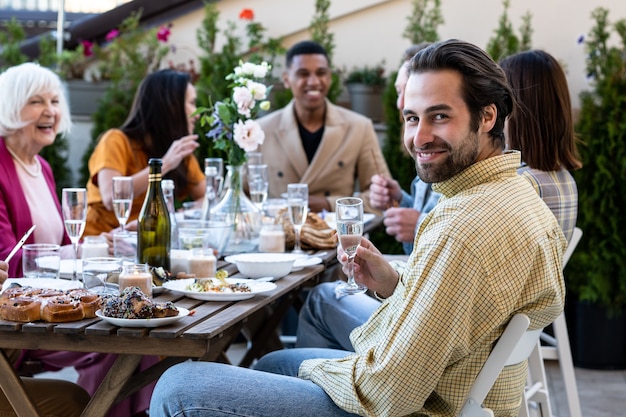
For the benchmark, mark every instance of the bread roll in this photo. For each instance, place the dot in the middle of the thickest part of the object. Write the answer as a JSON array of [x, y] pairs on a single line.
[[21, 309], [91, 302], [315, 233], [61, 309], [26, 304]]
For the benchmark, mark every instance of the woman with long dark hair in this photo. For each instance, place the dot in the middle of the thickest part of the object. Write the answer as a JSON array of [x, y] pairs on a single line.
[[160, 124]]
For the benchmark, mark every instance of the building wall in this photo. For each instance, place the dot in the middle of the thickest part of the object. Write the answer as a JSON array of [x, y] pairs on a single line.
[[370, 31]]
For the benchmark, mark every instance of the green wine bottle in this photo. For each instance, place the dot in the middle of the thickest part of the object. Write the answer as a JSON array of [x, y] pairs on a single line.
[[154, 229]]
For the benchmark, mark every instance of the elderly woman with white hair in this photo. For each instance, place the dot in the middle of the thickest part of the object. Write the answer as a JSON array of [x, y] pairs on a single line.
[[33, 110]]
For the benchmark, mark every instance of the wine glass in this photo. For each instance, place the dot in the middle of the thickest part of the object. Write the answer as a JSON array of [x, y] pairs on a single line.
[[349, 215], [122, 199], [258, 184], [214, 174], [298, 205], [74, 204]]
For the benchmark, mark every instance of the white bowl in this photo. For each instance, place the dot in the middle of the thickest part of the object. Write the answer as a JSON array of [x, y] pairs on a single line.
[[257, 265]]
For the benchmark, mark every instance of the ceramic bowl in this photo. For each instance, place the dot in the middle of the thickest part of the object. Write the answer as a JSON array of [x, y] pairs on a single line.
[[257, 265]]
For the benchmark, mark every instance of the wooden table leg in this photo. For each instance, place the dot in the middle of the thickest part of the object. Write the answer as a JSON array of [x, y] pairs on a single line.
[[112, 385], [264, 335], [13, 388]]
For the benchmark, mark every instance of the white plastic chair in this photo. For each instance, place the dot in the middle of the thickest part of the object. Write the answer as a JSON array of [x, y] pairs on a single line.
[[514, 346], [557, 347]]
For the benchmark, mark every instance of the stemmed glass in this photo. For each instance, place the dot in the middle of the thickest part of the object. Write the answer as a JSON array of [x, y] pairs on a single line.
[[74, 204], [214, 174], [122, 199], [258, 184], [349, 214], [298, 205]]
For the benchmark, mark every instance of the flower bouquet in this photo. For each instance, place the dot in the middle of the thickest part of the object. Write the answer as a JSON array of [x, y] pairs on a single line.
[[234, 131]]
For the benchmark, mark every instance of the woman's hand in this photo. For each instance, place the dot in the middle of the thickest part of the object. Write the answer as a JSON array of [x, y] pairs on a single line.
[[179, 150], [4, 272], [371, 268]]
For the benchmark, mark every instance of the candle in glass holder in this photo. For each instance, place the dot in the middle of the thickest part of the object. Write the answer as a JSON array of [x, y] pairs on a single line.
[[202, 263], [272, 238], [136, 275]]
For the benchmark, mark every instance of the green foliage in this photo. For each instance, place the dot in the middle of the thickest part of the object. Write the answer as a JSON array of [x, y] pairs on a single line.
[[423, 22], [597, 270], [125, 61], [47, 52], [505, 42], [367, 75], [321, 34], [10, 41], [215, 65]]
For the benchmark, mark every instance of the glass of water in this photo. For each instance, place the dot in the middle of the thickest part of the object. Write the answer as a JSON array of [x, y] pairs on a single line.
[[101, 274]]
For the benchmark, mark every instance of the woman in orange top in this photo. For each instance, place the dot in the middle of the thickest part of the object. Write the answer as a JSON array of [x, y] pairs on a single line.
[[160, 125]]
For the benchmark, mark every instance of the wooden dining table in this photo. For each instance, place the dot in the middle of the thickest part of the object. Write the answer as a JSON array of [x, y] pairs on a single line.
[[205, 335]]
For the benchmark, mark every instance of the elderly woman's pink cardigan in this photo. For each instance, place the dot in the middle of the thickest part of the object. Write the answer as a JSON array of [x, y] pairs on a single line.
[[15, 219]]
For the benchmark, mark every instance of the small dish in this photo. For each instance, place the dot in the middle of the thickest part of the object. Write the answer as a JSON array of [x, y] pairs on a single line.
[[305, 261], [257, 265], [182, 312], [180, 286]]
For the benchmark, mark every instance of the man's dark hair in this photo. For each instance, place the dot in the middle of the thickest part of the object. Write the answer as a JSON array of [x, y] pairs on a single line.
[[484, 82], [304, 48]]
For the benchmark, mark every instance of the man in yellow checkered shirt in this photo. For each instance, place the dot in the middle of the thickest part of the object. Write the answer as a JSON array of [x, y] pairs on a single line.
[[489, 249]]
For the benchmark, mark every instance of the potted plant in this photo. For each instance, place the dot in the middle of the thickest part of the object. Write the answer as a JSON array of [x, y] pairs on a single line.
[[596, 274], [366, 86]]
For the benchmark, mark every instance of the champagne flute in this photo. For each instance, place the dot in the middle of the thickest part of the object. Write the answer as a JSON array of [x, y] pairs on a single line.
[[258, 184], [74, 205], [214, 174], [122, 199], [349, 214], [298, 205]]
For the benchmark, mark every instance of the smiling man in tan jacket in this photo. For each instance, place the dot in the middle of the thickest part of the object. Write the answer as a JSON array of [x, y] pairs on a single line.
[[333, 150]]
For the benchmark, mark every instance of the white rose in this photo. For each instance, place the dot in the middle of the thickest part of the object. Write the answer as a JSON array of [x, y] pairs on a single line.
[[248, 135], [244, 100], [259, 91]]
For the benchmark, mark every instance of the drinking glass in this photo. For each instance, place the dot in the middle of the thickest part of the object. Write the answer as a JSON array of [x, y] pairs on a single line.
[[41, 260], [74, 204], [101, 273], [254, 158], [258, 184], [122, 199], [298, 206], [349, 215]]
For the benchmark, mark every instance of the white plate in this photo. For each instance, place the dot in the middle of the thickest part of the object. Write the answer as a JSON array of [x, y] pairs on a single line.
[[51, 283], [329, 218], [306, 261], [66, 269], [179, 286], [182, 312]]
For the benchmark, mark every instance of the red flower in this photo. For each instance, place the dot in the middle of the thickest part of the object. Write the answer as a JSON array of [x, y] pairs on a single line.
[[163, 34], [87, 48], [114, 33], [246, 14]]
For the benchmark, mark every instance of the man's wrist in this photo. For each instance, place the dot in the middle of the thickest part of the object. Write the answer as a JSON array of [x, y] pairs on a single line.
[[382, 297]]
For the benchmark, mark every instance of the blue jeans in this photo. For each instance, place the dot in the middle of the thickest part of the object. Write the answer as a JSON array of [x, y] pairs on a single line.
[[326, 322], [203, 389]]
